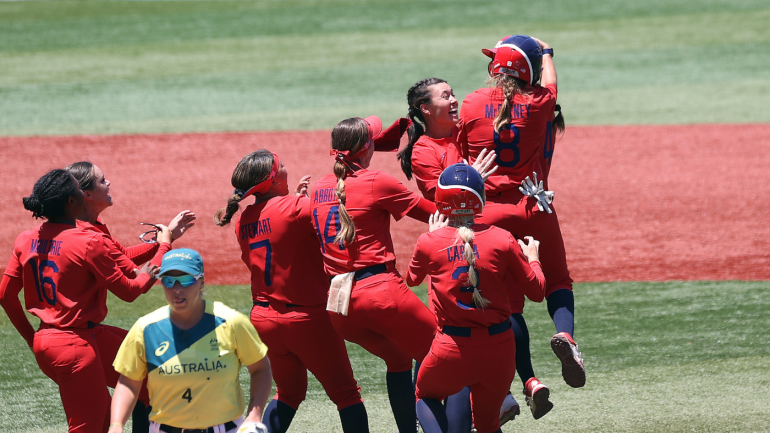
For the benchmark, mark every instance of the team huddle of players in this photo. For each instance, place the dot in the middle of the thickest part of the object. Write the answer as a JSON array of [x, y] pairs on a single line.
[[493, 238]]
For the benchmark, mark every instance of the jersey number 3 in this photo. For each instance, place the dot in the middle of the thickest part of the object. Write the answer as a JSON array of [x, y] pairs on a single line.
[[41, 280]]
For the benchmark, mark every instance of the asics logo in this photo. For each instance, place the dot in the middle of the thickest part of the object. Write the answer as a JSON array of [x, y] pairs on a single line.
[[161, 349]]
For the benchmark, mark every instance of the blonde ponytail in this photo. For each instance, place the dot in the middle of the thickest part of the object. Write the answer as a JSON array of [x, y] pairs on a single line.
[[465, 235], [347, 233], [509, 86]]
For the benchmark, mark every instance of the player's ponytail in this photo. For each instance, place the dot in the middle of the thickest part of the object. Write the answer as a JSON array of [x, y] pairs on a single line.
[[417, 95], [349, 135], [251, 170], [51, 194], [510, 86], [558, 122], [465, 235]]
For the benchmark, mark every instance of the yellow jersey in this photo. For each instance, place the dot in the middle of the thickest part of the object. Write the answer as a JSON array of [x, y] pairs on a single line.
[[192, 375]]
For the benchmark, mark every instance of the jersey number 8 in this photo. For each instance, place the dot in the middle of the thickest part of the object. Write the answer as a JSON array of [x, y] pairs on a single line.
[[507, 146]]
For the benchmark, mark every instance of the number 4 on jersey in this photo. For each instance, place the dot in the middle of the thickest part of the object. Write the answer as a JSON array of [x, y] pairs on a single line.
[[187, 395]]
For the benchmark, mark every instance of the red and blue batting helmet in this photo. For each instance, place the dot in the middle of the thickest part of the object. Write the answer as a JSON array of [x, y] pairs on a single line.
[[460, 191], [519, 56]]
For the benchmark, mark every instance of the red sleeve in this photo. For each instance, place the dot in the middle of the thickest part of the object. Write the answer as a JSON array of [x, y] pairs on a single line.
[[393, 196], [158, 257], [418, 266], [107, 273], [423, 210], [141, 253], [552, 89], [118, 255], [529, 276], [426, 167], [9, 299], [303, 214]]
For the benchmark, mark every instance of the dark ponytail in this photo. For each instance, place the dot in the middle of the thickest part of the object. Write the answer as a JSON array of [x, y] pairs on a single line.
[[50, 194], [558, 122], [417, 95], [251, 170]]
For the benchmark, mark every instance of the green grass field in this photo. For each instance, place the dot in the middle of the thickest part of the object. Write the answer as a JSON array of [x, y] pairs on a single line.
[[113, 67], [660, 357]]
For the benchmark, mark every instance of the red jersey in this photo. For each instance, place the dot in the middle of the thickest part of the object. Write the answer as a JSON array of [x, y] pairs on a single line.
[[280, 247], [519, 146], [372, 198], [65, 271], [127, 259], [498, 259], [546, 156], [430, 156]]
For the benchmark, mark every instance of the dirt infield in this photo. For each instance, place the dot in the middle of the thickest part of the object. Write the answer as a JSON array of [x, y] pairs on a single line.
[[644, 203]]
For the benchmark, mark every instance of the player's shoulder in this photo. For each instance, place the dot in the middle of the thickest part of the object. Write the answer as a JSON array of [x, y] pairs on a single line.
[[156, 316], [224, 312], [491, 231], [483, 92], [442, 236]]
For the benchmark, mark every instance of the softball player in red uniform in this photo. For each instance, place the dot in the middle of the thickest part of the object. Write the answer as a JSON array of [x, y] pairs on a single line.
[[513, 118], [65, 273], [432, 146], [288, 286], [96, 189], [371, 306], [469, 266]]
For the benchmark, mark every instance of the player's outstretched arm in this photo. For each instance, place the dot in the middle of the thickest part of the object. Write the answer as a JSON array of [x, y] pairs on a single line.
[[181, 223], [259, 390], [303, 186], [123, 402], [548, 76]]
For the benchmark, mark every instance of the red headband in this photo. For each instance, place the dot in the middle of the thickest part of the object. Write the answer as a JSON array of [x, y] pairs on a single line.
[[263, 186], [374, 128]]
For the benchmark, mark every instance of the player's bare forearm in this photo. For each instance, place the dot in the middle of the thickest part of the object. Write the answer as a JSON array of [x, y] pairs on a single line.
[[259, 389], [123, 402]]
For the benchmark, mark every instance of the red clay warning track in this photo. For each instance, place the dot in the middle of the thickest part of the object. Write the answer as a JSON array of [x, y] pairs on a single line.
[[636, 203]]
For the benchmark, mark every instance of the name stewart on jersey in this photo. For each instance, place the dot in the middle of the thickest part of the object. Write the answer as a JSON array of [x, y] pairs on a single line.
[[324, 195], [257, 228], [192, 368], [45, 246], [456, 252], [517, 110]]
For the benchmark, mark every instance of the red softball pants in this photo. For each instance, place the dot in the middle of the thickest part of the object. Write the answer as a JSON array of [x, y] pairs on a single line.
[[300, 339], [80, 362], [388, 320], [481, 361], [524, 219]]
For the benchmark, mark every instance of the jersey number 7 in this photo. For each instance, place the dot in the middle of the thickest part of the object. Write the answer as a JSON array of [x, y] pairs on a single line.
[[268, 257]]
